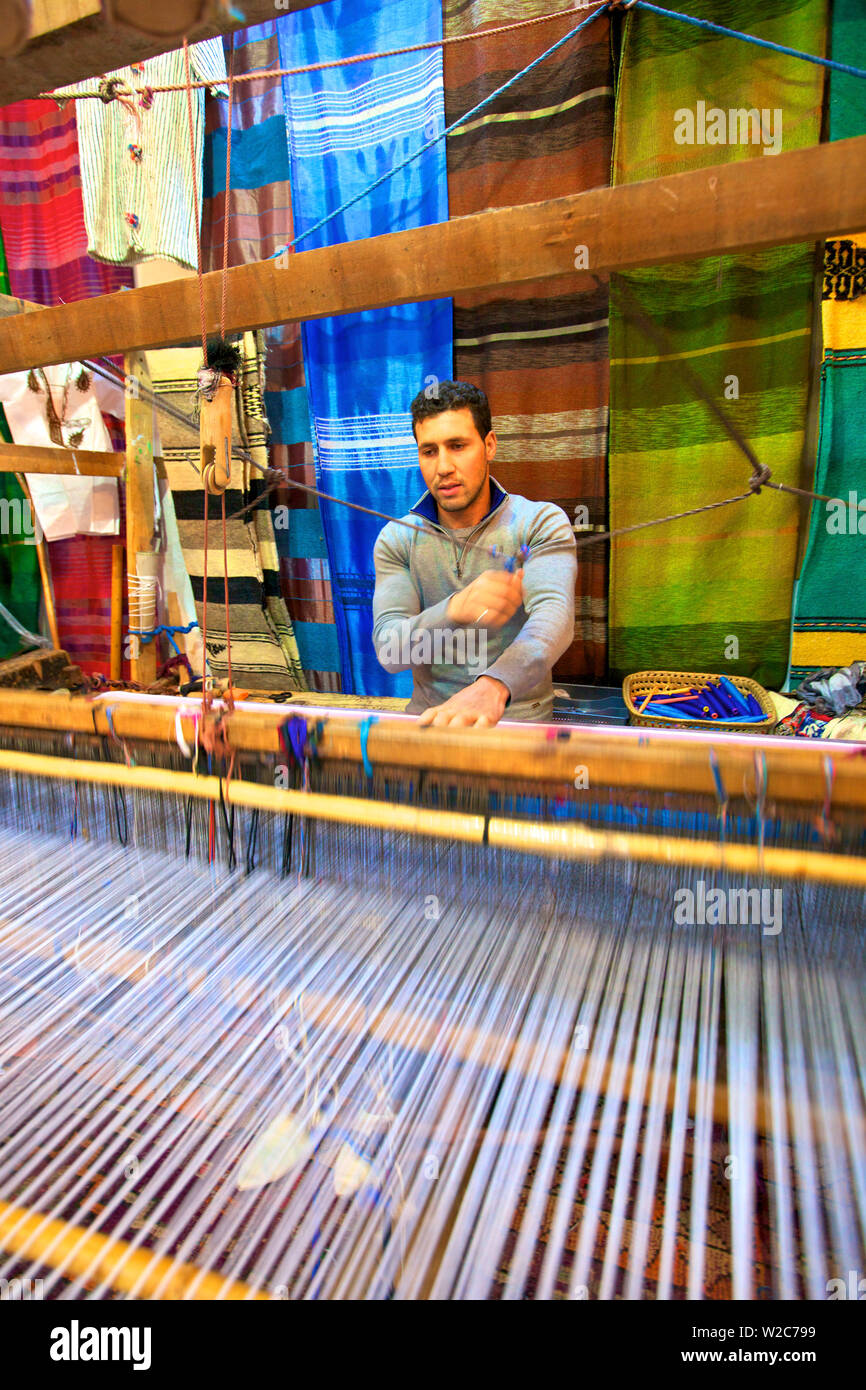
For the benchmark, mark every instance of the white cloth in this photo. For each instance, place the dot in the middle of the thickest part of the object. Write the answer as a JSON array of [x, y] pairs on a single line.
[[155, 189], [66, 506]]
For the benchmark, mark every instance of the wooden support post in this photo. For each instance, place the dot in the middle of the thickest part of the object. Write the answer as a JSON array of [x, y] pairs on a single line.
[[116, 665], [140, 517]]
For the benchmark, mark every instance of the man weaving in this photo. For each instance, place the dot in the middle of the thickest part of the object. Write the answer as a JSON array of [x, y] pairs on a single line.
[[440, 581]]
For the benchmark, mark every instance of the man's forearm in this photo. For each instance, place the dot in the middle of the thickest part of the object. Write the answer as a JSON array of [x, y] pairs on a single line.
[[540, 643], [392, 635]]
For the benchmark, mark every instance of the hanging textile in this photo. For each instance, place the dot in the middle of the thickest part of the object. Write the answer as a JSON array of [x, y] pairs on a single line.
[[539, 350], [713, 591], [61, 405], [346, 127], [19, 566], [42, 218], [264, 654], [830, 611], [41, 209], [260, 222], [136, 163]]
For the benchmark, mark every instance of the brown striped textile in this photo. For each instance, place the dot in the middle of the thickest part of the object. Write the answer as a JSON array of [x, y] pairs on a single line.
[[540, 351], [264, 653]]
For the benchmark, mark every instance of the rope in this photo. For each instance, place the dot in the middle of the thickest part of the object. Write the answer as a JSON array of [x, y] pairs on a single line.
[[261, 73], [228, 185], [192, 161], [750, 38], [229, 694]]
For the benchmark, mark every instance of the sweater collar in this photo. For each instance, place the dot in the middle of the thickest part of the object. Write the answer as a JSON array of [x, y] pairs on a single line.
[[426, 505]]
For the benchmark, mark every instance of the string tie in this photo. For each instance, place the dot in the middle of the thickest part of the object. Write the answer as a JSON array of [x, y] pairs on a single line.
[[113, 89], [364, 733], [293, 738], [760, 478]]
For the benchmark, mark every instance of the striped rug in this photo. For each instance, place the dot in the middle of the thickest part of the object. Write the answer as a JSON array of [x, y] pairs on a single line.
[[713, 591], [264, 653], [260, 222], [540, 350]]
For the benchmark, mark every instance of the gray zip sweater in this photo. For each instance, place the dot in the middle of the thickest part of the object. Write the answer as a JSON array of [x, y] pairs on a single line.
[[417, 572]]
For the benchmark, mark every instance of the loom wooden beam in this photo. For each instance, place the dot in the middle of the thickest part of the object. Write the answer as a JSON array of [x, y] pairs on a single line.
[[638, 759], [800, 196], [80, 1252], [82, 463], [10, 305], [140, 514], [71, 41], [528, 837]]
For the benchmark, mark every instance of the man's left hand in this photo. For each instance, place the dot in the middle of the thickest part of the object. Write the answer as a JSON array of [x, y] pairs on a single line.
[[479, 706]]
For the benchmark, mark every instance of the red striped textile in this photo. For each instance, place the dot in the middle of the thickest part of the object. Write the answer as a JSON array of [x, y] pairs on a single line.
[[42, 220]]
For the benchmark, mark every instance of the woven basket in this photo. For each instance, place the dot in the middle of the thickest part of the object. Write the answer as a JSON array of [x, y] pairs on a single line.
[[636, 687]]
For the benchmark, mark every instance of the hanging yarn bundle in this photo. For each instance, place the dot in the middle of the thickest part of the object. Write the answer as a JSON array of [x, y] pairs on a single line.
[[216, 381]]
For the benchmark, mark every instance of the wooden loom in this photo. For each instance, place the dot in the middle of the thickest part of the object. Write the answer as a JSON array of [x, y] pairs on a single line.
[[520, 1059]]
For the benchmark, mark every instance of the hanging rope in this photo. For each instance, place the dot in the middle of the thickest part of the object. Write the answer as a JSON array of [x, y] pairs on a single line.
[[611, 5], [444, 42]]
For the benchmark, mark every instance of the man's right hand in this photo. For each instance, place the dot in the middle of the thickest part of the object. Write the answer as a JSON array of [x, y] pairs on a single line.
[[489, 601]]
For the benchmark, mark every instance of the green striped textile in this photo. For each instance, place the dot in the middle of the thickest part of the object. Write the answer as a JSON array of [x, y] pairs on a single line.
[[712, 592]]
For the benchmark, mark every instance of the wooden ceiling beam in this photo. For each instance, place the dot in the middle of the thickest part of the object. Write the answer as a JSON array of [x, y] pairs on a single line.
[[71, 42], [801, 196]]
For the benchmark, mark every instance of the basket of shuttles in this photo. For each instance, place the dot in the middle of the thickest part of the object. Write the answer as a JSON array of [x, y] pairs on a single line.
[[698, 700]]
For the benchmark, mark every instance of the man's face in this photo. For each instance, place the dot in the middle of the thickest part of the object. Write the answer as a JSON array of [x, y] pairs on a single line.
[[455, 460]]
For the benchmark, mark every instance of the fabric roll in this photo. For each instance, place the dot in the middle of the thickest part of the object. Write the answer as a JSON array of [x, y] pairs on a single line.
[[830, 611], [713, 591], [264, 653], [346, 127], [258, 207], [540, 350]]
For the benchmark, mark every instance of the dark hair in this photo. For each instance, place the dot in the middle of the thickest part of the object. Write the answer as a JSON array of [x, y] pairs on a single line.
[[452, 395]]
